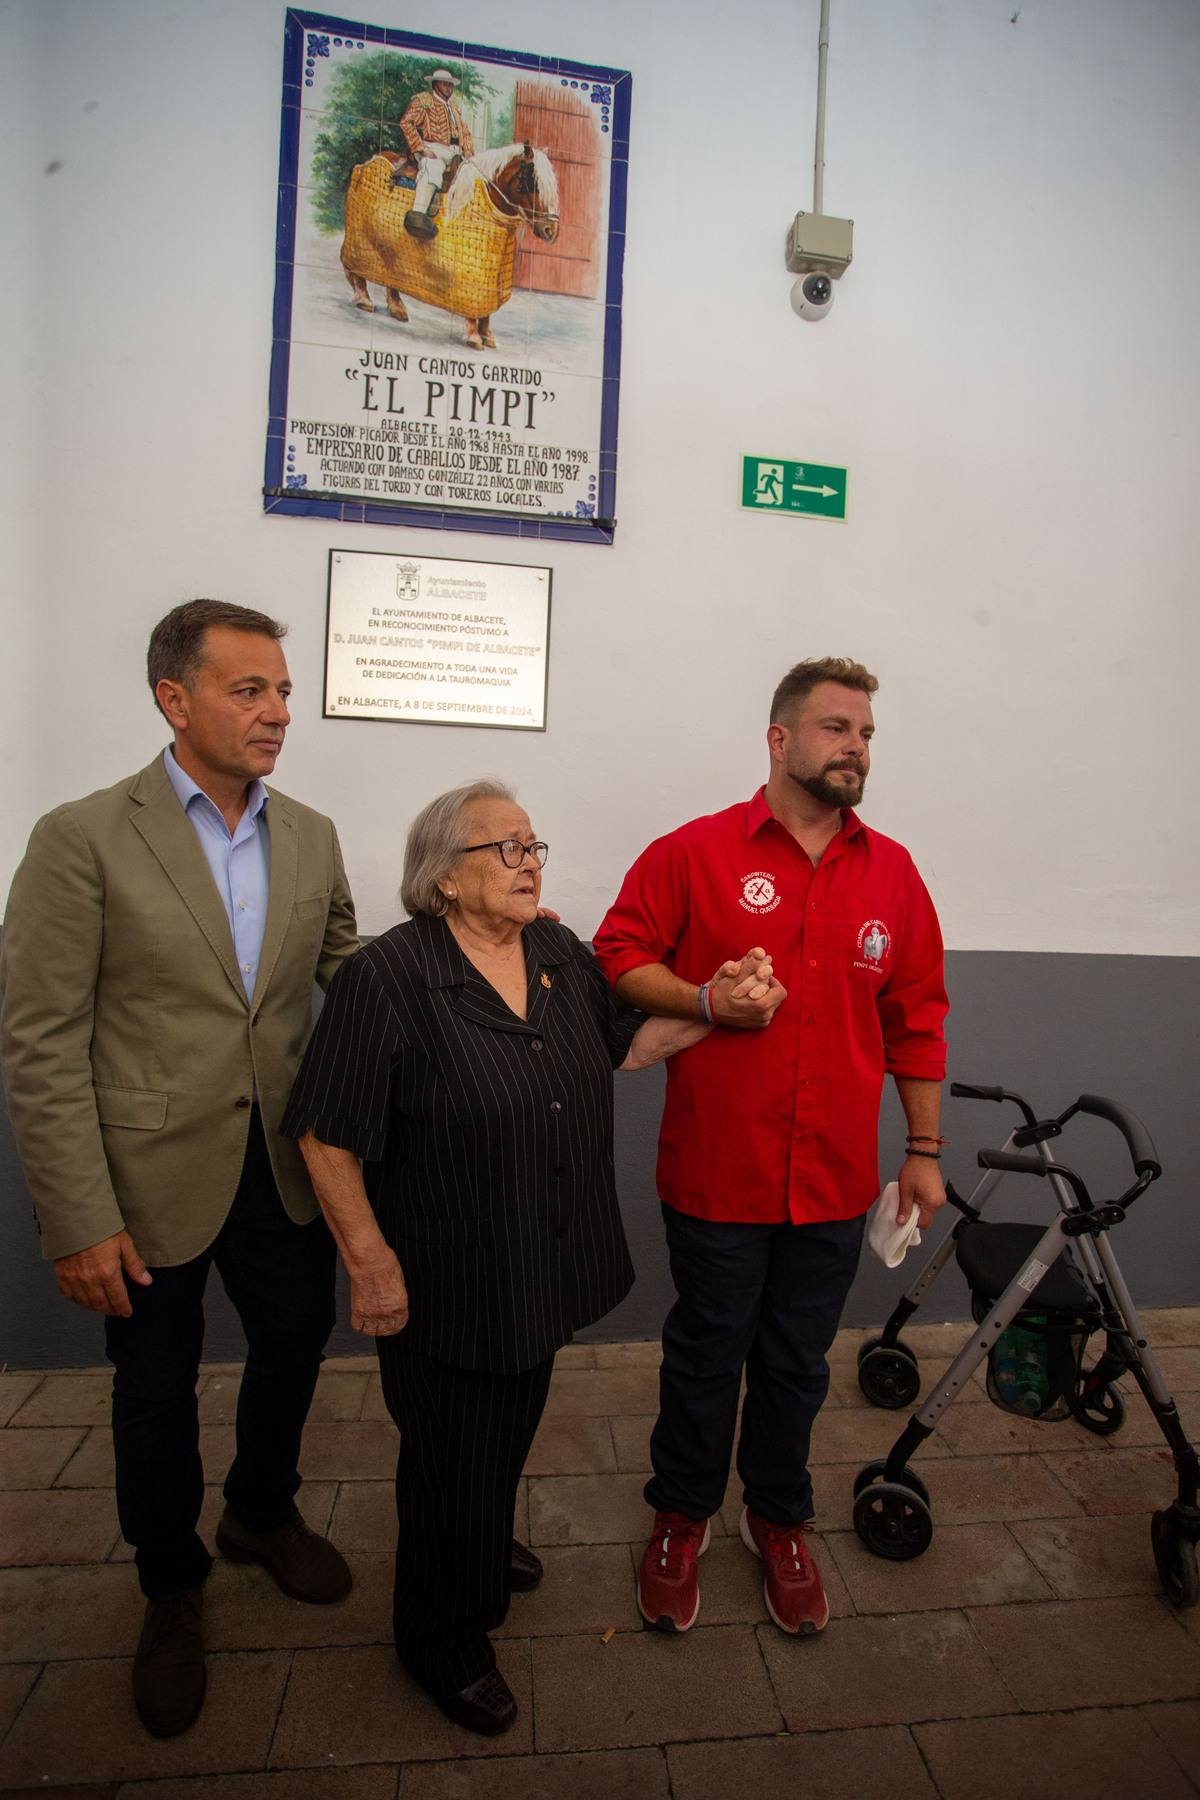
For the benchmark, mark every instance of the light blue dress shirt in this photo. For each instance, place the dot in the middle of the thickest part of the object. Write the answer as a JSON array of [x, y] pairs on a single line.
[[240, 864]]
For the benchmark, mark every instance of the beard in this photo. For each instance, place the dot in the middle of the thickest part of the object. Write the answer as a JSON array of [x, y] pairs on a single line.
[[834, 793]]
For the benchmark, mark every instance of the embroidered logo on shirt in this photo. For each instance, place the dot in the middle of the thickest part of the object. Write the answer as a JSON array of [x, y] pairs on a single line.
[[759, 893], [874, 942]]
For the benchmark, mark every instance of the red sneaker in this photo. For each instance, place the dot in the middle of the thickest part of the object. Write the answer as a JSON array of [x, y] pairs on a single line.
[[791, 1582], [668, 1582]]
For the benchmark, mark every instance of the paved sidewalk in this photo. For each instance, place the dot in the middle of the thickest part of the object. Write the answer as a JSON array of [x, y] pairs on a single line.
[[1027, 1654]]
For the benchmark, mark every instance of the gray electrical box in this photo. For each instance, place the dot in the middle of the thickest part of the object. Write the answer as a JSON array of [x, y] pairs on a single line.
[[817, 241]]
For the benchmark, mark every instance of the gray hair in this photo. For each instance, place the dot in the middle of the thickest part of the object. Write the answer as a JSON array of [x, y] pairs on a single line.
[[435, 839]]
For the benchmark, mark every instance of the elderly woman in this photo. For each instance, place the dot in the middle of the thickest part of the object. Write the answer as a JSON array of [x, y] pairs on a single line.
[[466, 1057]]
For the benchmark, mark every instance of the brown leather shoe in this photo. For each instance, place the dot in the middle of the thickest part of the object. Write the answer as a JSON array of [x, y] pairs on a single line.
[[304, 1564], [526, 1569], [168, 1668], [487, 1706]]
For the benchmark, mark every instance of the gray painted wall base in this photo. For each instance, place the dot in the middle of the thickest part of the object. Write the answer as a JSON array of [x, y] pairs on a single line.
[[1048, 1026]]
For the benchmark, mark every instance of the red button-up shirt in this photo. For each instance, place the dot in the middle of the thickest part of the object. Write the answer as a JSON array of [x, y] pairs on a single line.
[[766, 1126]]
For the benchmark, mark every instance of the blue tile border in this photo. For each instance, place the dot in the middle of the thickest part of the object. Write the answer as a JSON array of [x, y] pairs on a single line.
[[278, 500]]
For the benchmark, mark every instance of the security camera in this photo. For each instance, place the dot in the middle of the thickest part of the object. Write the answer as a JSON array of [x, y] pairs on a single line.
[[812, 295]]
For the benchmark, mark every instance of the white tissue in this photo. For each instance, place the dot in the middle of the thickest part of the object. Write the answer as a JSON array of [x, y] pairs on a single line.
[[887, 1239]]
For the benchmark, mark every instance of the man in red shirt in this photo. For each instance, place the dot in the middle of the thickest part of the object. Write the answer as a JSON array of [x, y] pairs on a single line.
[[767, 1158]]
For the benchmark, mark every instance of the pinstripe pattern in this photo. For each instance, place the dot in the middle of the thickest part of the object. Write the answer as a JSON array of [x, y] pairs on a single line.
[[464, 1437], [486, 1139]]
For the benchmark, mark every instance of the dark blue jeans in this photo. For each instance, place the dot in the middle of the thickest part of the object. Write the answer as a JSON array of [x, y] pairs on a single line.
[[769, 1298], [280, 1277]]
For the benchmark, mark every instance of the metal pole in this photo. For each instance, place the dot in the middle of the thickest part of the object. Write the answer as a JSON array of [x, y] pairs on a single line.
[[822, 70]]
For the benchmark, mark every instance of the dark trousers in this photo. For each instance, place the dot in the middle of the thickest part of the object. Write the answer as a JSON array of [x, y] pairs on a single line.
[[464, 1437], [280, 1277], [768, 1297]]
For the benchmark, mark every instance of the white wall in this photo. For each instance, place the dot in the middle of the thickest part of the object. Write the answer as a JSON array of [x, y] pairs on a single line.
[[1009, 372]]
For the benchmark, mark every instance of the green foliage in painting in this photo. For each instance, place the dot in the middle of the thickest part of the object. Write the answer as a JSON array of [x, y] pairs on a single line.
[[366, 98]]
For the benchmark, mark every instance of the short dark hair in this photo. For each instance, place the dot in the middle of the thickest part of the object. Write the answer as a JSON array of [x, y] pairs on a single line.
[[799, 682], [177, 643]]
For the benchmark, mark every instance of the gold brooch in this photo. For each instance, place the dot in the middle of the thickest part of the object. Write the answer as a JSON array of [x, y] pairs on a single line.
[[545, 979]]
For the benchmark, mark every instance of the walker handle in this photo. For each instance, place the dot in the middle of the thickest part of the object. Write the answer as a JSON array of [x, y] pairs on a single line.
[[1141, 1145], [965, 1090], [1008, 1159]]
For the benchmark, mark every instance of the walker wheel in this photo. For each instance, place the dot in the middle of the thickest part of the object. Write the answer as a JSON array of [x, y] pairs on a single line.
[[877, 1471], [1175, 1559], [874, 1343], [889, 1378], [1102, 1410], [892, 1521]]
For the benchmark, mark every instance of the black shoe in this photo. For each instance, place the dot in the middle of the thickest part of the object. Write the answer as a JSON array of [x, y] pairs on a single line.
[[168, 1669], [487, 1706], [304, 1564], [419, 224], [526, 1569]]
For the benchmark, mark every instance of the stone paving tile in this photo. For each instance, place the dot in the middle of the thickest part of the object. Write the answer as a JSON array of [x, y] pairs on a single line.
[[572, 1446], [966, 1565], [601, 1775], [374, 1406], [1172, 1325], [362, 1783], [576, 1356], [32, 1458], [1091, 1559], [365, 1363], [1071, 1653], [349, 1706], [56, 1527], [881, 1764], [966, 1490], [990, 1431], [315, 1501], [883, 1671], [106, 1740], [1059, 1756], [1180, 1369], [349, 1452], [1178, 1725], [631, 1442], [69, 1400], [650, 1688], [16, 1679], [47, 1615], [588, 1509], [338, 1397], [15, 1388], [364, 1517], [1124, 1481], [602, 1392], [586, 1588], [647, 1355], [1142, 1430], [854, 1435], [244, 1610]]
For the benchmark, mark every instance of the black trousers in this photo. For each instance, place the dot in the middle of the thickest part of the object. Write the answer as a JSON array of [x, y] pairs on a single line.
[[768, 1297], [464, 1437], [280, 1277]]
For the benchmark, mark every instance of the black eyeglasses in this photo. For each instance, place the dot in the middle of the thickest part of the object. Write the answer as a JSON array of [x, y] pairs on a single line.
[[514, 851]]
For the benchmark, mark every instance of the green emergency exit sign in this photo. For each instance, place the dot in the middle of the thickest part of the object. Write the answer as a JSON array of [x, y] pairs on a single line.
[[774, 484]]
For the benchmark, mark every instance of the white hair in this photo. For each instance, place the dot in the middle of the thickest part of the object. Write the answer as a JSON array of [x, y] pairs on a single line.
[[486, 164], [436, 840]]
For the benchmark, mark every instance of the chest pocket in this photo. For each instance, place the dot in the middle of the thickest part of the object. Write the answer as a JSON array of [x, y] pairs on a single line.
[[314, 908], [869, 946]]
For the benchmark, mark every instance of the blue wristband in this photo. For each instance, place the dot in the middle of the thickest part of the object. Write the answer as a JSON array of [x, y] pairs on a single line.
[[705, 998]]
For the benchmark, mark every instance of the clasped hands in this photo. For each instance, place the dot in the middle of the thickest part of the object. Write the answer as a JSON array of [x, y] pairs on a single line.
[[746, 994]]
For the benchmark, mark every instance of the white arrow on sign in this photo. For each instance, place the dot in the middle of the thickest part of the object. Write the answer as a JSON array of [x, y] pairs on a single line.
[[804, 487]]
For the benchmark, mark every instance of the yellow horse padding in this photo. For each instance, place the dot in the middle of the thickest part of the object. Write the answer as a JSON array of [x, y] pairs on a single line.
[[467, 269]]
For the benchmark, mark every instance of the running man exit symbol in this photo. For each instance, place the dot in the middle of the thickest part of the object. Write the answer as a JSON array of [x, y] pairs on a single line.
[[770, 484]]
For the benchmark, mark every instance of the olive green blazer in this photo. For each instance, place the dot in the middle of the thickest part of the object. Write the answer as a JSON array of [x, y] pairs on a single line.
[[130, 1050]]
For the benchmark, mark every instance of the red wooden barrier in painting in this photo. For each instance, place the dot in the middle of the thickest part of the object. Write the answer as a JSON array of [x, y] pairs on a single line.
[[563, 124]]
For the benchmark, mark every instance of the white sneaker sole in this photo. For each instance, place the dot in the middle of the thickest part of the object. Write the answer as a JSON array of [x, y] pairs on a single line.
[[670, 1624], [810, 1626]]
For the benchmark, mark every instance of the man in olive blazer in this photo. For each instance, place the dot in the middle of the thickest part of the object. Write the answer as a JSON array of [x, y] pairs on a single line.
[[159, 952]]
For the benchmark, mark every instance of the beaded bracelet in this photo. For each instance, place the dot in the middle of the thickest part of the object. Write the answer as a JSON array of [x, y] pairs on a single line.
[[705, 999], [933, 1155]]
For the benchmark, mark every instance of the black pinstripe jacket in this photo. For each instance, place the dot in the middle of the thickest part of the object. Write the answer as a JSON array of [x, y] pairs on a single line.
[[486, 1139]]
